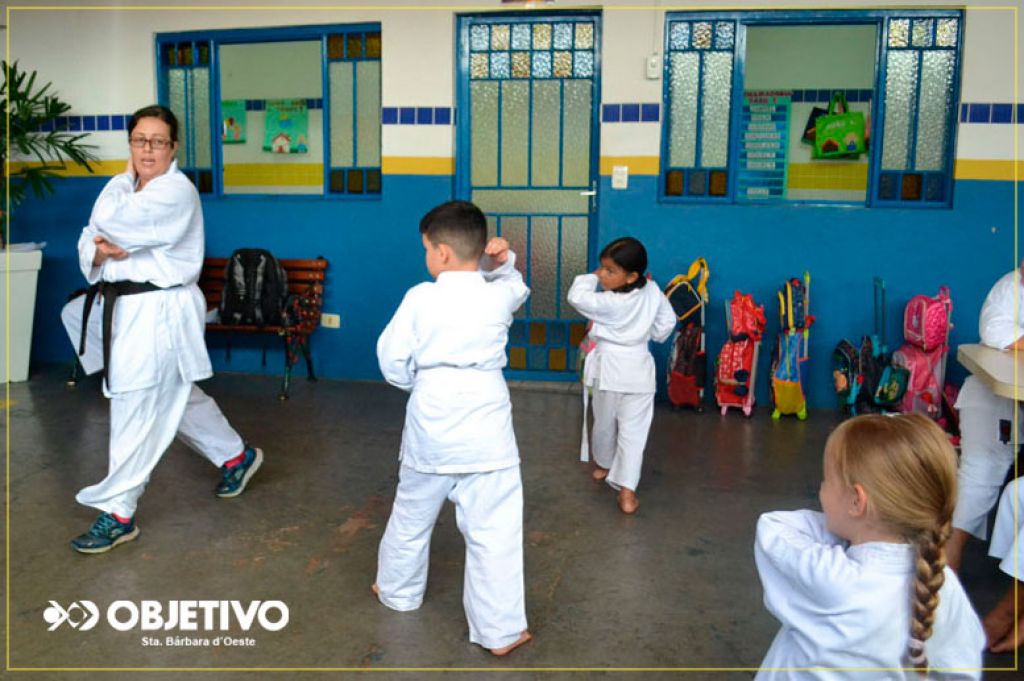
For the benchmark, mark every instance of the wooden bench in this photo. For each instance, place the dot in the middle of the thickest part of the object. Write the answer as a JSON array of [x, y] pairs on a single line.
[[306, 295]]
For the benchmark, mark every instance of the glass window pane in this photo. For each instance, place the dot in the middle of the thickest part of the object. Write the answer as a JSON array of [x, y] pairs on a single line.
[[715, 98], [702, 35], [484, 133], [679, 36], [584, 36], [354, 45], [515, 111], [500, 65], [899, 32], [373, 45], [574, 259], [479, 37], [576, 111], [543, 263], [520, 64], [176, 103], [478, 66], [563, 64], [541, 64], [563, 36], [583, 65], [545, 157], [201, 117], [368, 114], [900, 87], [922, 36], [933, 109], [723, 35], [521, 37], [531, 201], [945, 35], [499, 37], [682, 143], [340, 76], [513, 230], [542, 36]]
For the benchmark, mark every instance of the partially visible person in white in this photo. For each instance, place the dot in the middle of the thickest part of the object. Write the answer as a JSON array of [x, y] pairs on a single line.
[[142, 253], [1004, 624], [446, 345], [627, 313], [985, 457], [863, 587]]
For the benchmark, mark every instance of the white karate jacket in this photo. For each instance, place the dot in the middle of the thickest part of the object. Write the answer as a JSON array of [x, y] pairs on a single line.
[[623, 324], [446, 344], [849, 606], [161, 227]]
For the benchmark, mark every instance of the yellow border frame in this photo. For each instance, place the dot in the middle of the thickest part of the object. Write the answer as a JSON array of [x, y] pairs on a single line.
[[1016, 169]]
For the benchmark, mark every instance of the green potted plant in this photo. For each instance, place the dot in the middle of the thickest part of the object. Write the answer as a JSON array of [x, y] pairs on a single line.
[[43, 147]]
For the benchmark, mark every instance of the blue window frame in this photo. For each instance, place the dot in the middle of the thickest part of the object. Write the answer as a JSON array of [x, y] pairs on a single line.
[[912, 106], [349, 104]]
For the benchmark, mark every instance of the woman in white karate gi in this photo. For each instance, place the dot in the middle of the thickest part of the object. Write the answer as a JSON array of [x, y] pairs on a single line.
[[629, 311], [986, 420], [1004, 624], [864, 586], [142, 252]]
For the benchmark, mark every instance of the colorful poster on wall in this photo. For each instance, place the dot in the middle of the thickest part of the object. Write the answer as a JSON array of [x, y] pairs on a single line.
[[287, 127], [232, 129]]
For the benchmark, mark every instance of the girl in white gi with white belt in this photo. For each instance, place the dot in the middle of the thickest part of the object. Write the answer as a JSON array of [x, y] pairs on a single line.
[[1008, 546], [863, 591], [143, 248], [629, 311], [446, 344], [986, 420]]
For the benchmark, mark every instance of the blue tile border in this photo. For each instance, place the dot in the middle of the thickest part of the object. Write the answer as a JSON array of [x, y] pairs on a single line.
[[979, 113]]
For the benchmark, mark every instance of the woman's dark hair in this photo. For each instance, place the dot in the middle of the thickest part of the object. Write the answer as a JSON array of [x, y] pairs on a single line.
[[631, 256], [155, 111]]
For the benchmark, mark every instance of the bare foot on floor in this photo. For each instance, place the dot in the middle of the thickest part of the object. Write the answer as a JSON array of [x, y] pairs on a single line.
[[599, 473], [628, 502], [375, 589], [523, 638]]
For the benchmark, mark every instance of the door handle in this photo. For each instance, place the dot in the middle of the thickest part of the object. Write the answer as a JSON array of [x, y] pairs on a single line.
[[592, 193]]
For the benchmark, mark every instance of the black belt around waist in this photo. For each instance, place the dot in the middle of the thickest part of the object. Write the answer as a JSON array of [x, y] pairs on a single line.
[[110, 291]]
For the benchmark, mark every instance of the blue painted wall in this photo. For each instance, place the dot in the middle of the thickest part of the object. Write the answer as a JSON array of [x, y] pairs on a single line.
[[375, 256]]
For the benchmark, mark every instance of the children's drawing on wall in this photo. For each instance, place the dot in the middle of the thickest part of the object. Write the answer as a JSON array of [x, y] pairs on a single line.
[[233, 121], [287, 127]]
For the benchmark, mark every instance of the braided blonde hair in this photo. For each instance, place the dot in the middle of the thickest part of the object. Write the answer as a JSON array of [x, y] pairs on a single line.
[[907, 468]]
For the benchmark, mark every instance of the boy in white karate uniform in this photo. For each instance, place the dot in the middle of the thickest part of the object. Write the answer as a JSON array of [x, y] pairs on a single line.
[[986, 420], [446, 344], [143, 250], [1008, 545]]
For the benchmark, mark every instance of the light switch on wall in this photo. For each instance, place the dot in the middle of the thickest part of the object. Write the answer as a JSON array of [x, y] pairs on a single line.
[[620, 177], [653, 67]]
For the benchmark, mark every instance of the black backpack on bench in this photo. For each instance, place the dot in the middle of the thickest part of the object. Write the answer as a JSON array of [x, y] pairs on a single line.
[[255, 288]]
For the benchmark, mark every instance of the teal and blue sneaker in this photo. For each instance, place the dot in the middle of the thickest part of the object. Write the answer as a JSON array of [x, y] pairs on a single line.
[[106, 533], [235, 479]]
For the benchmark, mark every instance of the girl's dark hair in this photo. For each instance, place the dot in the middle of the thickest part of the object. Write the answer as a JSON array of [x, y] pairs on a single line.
[[155, 111], [631, 256]]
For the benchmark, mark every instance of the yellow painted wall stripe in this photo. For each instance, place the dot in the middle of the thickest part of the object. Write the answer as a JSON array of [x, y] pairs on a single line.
[[965, 169]]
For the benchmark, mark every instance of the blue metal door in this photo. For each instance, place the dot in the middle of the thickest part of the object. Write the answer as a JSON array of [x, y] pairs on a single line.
[[528, 91]]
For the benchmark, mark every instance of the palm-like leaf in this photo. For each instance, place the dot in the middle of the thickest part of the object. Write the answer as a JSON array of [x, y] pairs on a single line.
[[33, 135]]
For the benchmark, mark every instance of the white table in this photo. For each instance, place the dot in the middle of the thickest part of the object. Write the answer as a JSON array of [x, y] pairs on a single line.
[[995, 368]]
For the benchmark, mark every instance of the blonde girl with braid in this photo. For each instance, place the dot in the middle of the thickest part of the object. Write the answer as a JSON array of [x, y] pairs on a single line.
[[862, 590]]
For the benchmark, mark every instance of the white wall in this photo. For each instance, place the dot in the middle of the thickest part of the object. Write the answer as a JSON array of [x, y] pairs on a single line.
[[106, 60]]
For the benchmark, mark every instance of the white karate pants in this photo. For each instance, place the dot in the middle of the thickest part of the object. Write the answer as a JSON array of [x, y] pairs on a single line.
[[1004, 533], [142, 425], [984, 459], [489, 513], [621, 424]]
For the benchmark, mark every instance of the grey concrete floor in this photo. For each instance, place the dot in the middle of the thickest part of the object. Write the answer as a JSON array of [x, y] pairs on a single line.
[[672, 588]]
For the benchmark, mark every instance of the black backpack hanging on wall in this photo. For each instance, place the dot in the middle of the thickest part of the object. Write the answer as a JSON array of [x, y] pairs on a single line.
[[255, 288]]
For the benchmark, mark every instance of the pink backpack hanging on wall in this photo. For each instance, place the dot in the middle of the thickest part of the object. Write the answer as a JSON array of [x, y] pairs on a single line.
[[926, 320]]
